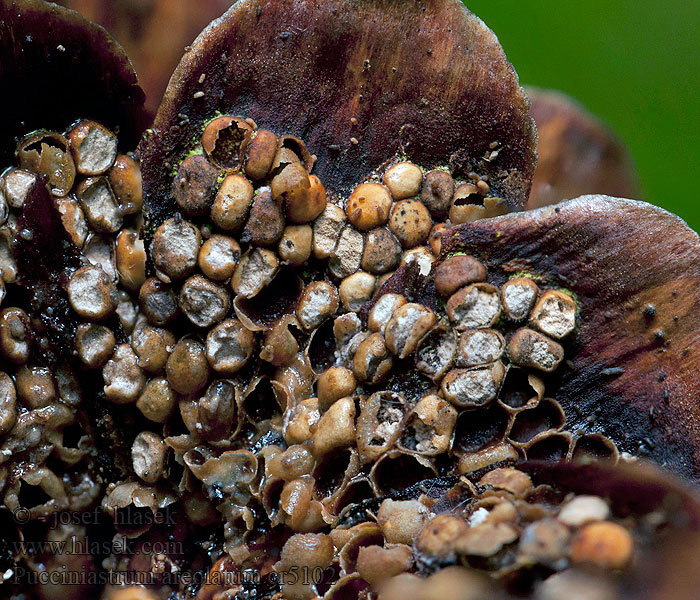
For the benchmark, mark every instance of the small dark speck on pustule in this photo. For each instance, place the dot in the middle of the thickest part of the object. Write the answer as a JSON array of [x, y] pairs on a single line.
[[649, 310], [662, 377], [659, 334], [557, 210]]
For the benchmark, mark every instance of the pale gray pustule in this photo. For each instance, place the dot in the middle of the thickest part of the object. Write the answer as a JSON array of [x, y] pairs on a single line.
[[99, 205], [407, 326], [378, 425], [472, 388], [8, 403], [254, 272], [148, 454], [584, 509], [555, 314], [479, 346], [101, 252], [73, 219], [175, 248], [127, 312], [94, 147], [123, 377], [529, 348], [218, 257], [94, 344], [92, 294], [519, 297], [152, 346], [4, 207], [578, 585], [18, 182], [349, 334], [8, 263], [318, 302], [229, 346], [203, 302], [476, 305], [383, 310], [436, 352], [345, 259], [326, 230]]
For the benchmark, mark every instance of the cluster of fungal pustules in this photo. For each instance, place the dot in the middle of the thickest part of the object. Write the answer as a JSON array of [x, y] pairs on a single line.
[[274, 380]]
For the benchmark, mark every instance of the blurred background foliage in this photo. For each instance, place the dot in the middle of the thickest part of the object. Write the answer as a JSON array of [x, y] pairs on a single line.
[[633, 63]]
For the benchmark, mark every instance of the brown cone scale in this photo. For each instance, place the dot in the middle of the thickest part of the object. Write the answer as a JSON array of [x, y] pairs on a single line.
[[635, 272], [428, 79], [576, 153], [58, 67]]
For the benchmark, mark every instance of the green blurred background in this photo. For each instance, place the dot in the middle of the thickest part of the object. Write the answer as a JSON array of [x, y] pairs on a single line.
[[634, 63]]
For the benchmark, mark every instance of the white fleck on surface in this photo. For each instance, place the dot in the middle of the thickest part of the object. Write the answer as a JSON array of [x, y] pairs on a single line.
[[422, 257], [478, 517]]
